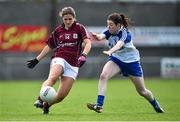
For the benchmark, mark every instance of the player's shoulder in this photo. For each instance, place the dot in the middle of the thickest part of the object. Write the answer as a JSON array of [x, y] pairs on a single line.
[[58, 29], [79, 25], [123, 31], [105, 30]]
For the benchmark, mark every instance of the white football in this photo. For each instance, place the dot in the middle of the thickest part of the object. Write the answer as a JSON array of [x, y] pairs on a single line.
[[47, 94]]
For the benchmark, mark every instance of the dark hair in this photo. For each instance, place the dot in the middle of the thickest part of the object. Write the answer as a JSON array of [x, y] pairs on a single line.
[[119, 19], [67, 10]]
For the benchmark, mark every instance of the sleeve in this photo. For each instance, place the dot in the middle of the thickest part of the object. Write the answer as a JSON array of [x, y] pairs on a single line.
[[124, 36], [84, 32], [51, 41], [107, 34]]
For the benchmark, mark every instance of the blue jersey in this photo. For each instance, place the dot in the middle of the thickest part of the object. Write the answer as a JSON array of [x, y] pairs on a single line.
[[128, 53]]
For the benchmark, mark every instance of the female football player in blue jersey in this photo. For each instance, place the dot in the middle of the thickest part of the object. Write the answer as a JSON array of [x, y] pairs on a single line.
[[66, 42], [123, 58]]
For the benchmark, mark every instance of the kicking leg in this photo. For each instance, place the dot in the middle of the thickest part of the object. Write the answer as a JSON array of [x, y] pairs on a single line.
[[54, 74], [64, 88]]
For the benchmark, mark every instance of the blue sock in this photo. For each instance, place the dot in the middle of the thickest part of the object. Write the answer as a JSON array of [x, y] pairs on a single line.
[[154, 103], [100, 100]]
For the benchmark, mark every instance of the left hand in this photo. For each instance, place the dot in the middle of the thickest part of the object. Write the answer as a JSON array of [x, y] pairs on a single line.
[[81, 60], [32, 63], [107, 53]]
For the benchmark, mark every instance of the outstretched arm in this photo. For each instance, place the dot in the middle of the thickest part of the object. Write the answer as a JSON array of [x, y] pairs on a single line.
[[33, 62], [99, 36], [43, 53], [118, 45]]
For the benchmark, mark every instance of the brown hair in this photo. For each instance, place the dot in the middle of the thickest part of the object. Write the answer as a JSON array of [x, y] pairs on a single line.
[[119, 19], [67, 10]]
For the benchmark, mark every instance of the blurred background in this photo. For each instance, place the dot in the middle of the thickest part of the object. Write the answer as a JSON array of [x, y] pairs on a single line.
[[26, 24]]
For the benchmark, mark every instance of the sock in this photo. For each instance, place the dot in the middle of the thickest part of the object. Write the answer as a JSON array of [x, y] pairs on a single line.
[[154, 103], [100, 100]]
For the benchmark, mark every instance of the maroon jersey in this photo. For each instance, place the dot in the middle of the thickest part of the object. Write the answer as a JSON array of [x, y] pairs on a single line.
[[68, 43]]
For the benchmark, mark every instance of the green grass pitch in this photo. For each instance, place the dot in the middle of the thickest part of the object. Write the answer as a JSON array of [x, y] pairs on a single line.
[[122, 103]]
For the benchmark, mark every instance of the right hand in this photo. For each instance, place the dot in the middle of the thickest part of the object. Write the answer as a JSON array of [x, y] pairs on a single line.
[[94, 35], [98, 37], [32, 63]]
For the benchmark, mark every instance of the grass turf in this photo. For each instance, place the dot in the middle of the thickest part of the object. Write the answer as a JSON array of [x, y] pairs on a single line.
[[122, 103]]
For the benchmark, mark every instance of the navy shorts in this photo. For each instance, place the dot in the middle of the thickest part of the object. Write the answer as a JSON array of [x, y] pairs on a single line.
[[127, 69]]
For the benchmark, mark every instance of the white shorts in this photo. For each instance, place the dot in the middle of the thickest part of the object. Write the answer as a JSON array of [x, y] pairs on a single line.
[[69, 71]]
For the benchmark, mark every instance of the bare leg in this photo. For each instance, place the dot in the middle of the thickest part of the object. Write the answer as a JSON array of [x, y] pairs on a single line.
[[54, 74], [64, 88], [141, 89], [110, 69]]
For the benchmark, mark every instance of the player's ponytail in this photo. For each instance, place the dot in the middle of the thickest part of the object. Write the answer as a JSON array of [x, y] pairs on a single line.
[[124, 20]]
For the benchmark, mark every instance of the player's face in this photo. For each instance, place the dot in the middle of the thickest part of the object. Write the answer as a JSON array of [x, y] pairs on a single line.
[[68, 20], [112, 27]]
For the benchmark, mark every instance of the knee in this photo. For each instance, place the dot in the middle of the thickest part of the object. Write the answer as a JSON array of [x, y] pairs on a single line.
[[103, 76], [143, 93]]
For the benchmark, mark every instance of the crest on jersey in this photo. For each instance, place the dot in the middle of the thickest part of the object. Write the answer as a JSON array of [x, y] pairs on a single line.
[[75, 36]]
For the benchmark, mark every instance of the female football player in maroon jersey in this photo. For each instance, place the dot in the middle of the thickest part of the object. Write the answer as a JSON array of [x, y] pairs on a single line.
[[66, 42]]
